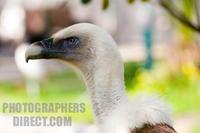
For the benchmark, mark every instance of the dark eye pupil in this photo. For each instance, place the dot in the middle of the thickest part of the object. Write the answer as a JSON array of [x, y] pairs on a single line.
[[72, 42]]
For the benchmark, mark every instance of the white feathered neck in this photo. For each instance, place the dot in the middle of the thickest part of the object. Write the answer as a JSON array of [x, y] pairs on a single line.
[[113, 112], [104, 76]]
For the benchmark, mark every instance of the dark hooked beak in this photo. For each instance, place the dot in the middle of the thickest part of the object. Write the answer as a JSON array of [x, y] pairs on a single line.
[[42, 50]]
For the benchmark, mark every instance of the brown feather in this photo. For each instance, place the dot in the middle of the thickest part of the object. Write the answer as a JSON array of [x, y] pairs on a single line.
[[158, 128]]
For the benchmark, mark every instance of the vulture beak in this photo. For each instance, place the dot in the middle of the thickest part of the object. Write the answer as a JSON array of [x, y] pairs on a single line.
[[42, 50]]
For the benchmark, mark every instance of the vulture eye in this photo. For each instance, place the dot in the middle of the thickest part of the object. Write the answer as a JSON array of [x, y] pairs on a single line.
[[71, 42]]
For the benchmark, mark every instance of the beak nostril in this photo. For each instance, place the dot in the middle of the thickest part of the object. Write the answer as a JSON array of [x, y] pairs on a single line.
[[43, 44], [47, 43]]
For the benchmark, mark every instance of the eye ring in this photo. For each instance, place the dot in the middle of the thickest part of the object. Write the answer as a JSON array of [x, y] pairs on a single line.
[[72, 42]]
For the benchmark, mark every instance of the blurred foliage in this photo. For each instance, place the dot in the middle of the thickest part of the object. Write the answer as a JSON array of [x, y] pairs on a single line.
[[196, 129], [130, 1], [184, 11], [188, 8], [181, 88], [105, 4], [85, 1], [132, 69], [145, 0]]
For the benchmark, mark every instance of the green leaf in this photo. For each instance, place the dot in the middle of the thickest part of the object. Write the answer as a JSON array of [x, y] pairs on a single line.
[[105, 4], [145, 0], [85, 1], [130, 1], [188, 7]]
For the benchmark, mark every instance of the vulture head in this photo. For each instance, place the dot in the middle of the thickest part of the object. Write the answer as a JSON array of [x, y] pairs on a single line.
[[82, 45]]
